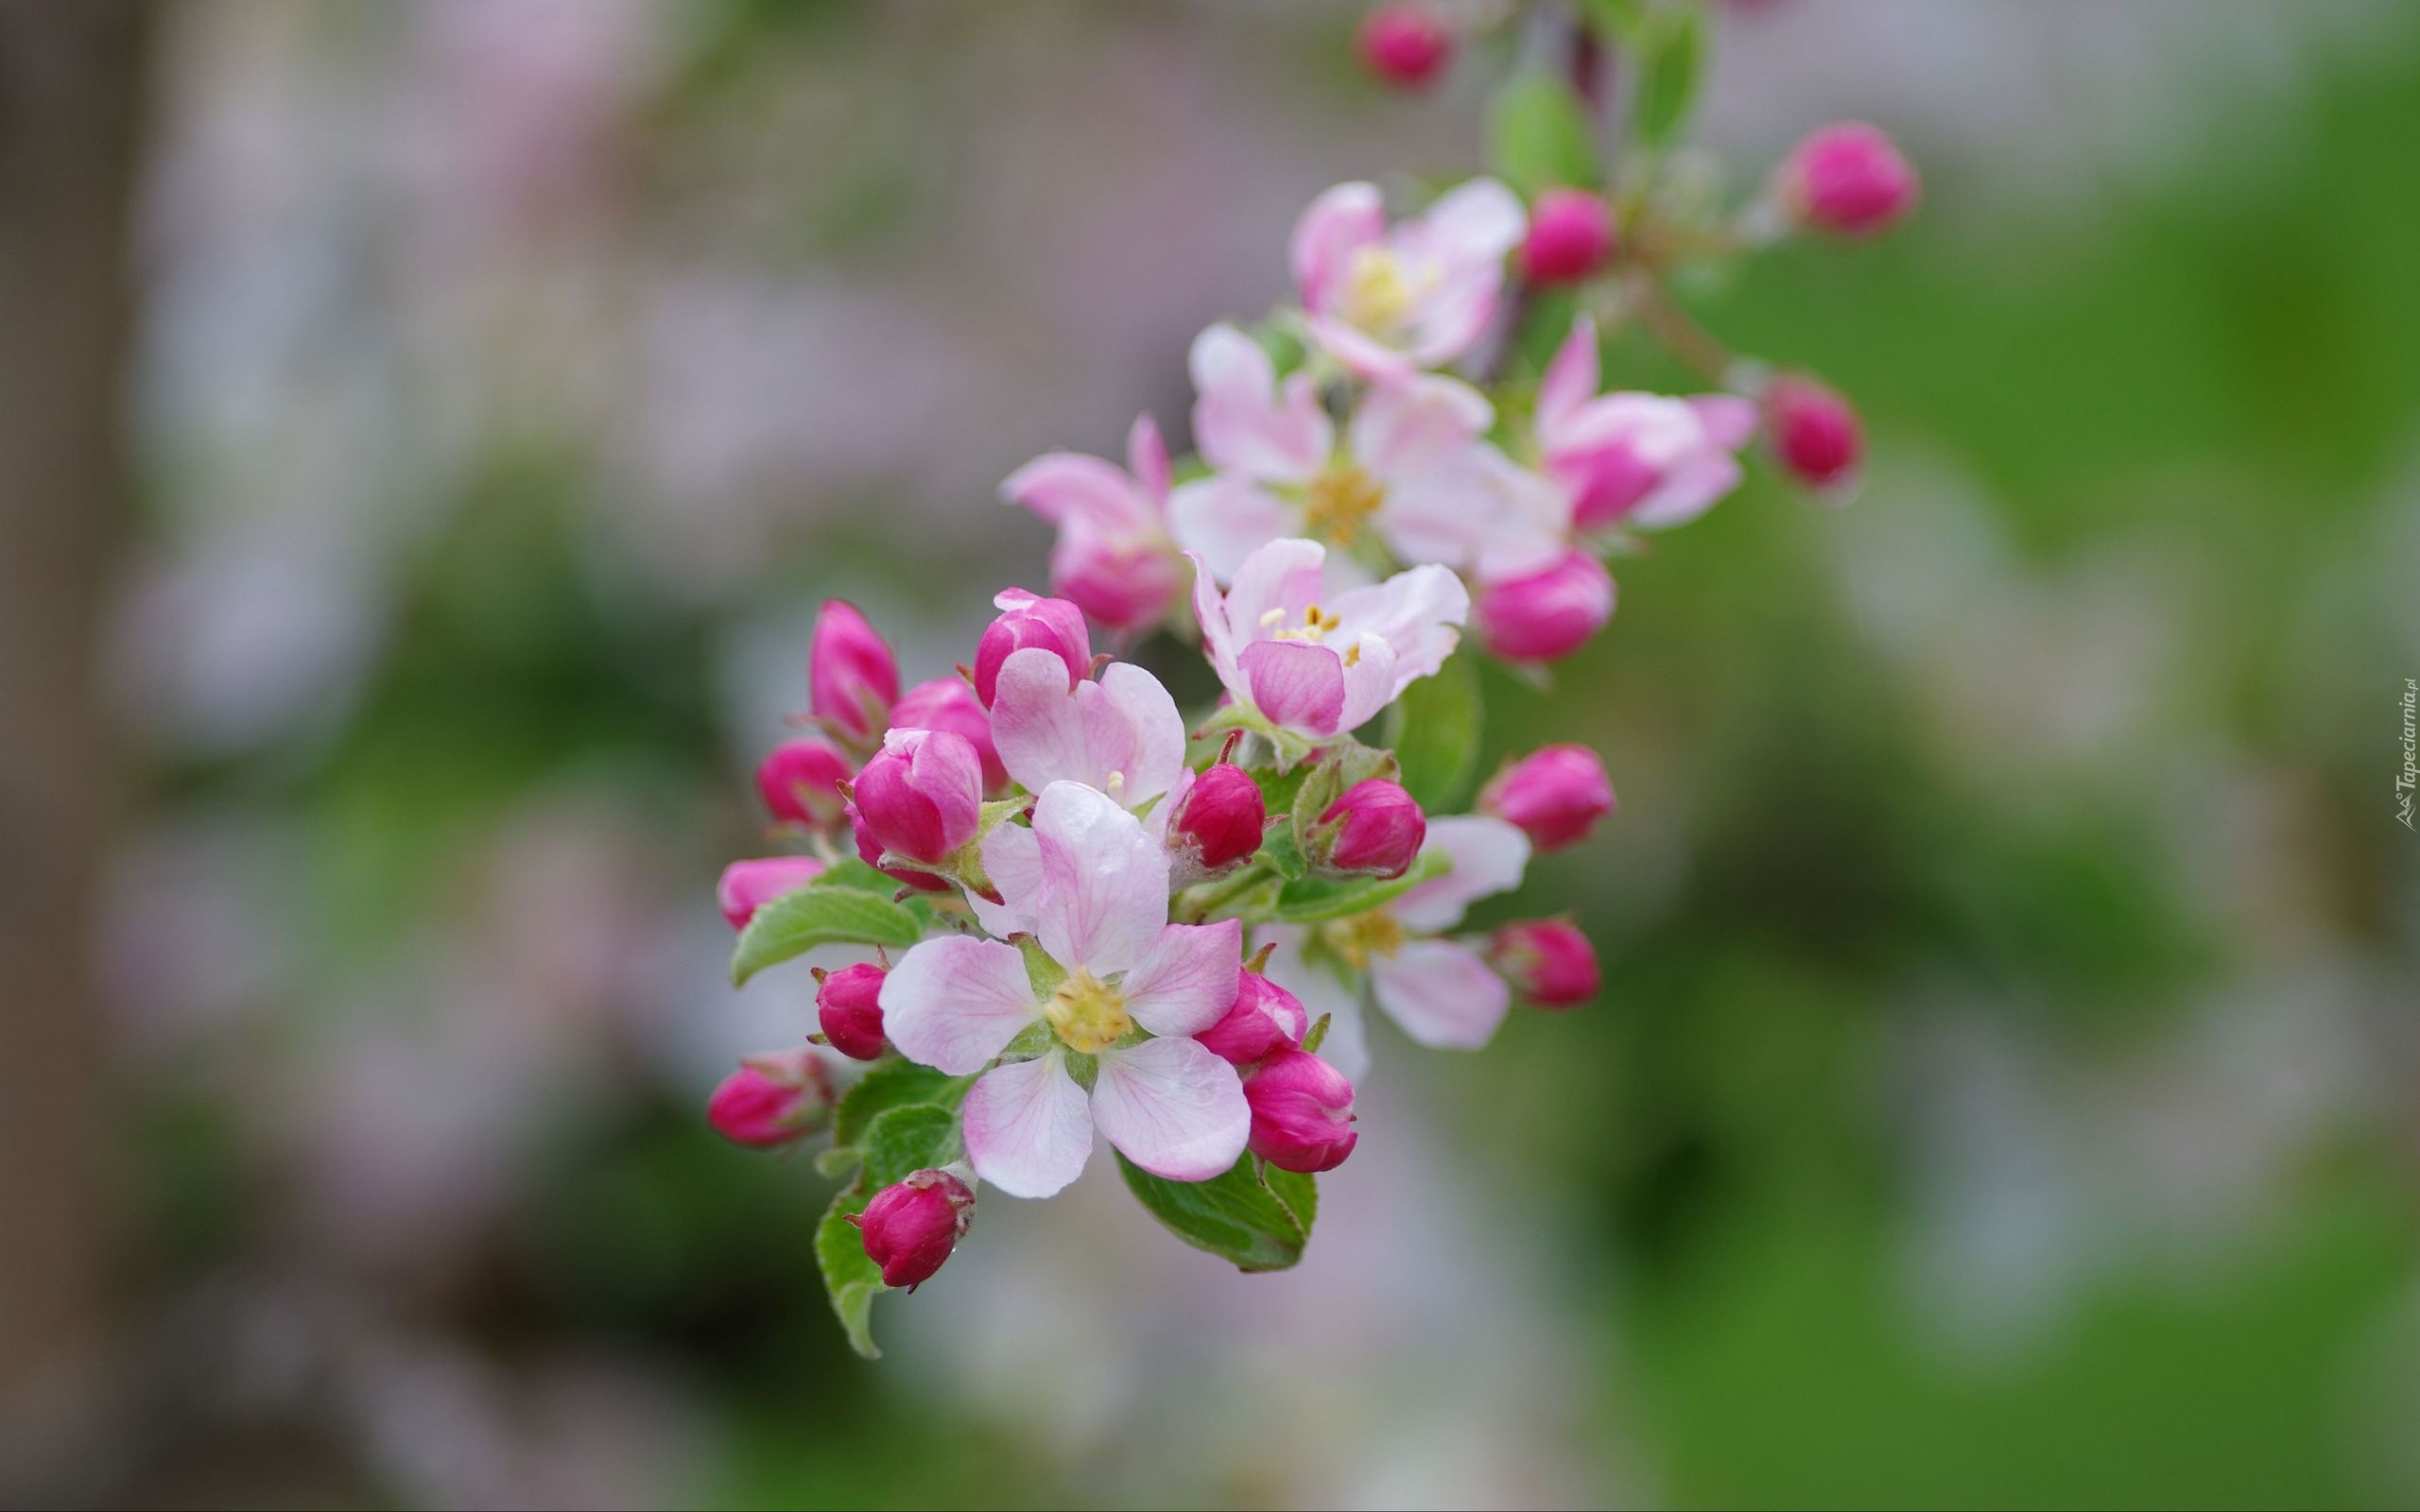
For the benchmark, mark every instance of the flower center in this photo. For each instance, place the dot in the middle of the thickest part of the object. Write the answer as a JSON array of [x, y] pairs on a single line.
[[1339, 500], [1364, 937], [1317, 622], [1378, 291], [1087, 1013]]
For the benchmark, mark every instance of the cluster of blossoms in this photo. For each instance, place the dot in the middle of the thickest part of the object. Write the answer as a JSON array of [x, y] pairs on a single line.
[[1092, 916]]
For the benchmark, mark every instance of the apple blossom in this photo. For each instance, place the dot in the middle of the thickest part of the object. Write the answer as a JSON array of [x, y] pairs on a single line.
[[1387, 301], [948, 703], [1128, 991], [911, 1226], [1815, 435], [1373, 828], [1264, 1018], [852, 678], [1847, 179], [921, 797], [848, 1005], [1316, 665], [1030, 621], [1549, 961], [1406, 45], [1635, 459], [1544, 616], [1302, 1112], [772, 1100], [1114, 559], [800, 782], [1416, 480], [1440, 992]]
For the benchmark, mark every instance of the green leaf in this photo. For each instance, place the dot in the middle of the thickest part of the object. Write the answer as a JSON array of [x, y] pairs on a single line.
[[1279, 852], [1252, 1223], [851, 873], [1619, 22], [1539, 137], [1317, 899], [890, 1083], [849, 1275], [1435, 729], [797, 923], [1671, 65], [902, 1140]]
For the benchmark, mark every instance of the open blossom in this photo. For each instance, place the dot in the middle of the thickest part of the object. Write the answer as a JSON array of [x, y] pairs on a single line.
[[852, 678], [1093, 886], [1387, 301], [1320, 664], [1114, 559], [1442, 993], [1644, 460], [1120, 733], [748, 885], [1416, 476]]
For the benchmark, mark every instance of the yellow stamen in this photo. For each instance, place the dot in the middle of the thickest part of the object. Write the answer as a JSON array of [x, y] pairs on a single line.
[[1378, 292], [1088, 1014], [1364, 937], [1340, 499], [1317, 622]]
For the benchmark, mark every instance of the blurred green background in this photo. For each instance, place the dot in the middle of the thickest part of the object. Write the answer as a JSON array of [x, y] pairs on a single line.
[[2003, 1092]]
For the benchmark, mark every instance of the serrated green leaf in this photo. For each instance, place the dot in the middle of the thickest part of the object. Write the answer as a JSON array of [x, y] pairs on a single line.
[[1539, 135], [1236, 1216], [1671, 51], [851, 873], [890, 1083], [1435, 729], [1317, 899], [903, 1141], [797, 923], [850, 1276]]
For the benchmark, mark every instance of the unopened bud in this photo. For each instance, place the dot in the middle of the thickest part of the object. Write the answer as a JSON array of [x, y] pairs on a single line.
[[852, 678], [1406, 45], [801, 783], [848, 1004], [1265, 1019], [748, 885], [921, 794], [1221, 818], [1376, 829], [1815, 435], [772, 1100], [1302, 1112], [1555, 796], [1571, 236], [1549, 961], [1545, 616], [1026, 620], [1848, 178], [910, 1228]]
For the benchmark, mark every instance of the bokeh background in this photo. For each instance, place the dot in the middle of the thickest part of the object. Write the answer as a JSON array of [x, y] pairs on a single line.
[[428, 428]]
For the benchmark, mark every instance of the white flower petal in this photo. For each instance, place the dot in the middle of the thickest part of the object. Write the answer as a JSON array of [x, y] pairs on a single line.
[[954, 1004], [1173, 1108], [1186, 981], [1028, 1131], [1441, 993], [1104, 894], [1488, 857]]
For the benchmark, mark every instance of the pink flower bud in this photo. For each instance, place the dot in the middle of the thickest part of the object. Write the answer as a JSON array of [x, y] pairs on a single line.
[[869, 851], [848, 1005], [1376, 828], [1815, 434], [1546, 615], [1406, 45], [852, 679], [1571, 235], [801, 783], [1548, 961], [1302, 1112], [748, 885], [1266, 1018], [1220, 818], [911, 1228], [1846, 178], [921, 794], [1126, 584], [1052, 623], [1555, 796], [948, 703], [772, 1100]]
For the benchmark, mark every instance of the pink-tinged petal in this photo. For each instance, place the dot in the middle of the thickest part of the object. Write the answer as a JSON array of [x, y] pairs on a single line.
[[1419, 612], [1488, 856], [1126, 582], [1186, 981], [1012, 859], [1405, 429], [1284, 576], [1694, 485], [1571, 380], [1296, 684], [1173, 1108], [1218, 642], [1371, 683], [1146, 456], [1533, 520], [1441, 994], [1243, 422], [953, 1003], [1728, 419], [1322, 993], [1226, 518], [1337, 224], [1153, 731], [1451, 321], [1105, 894], [1365, 356], [1064, 487], [1474, 223], [1028, 1131]]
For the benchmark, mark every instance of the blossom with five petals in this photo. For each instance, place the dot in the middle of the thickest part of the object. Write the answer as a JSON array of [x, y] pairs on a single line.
[[1390, 300], [1115, 1052], [1646, 461]]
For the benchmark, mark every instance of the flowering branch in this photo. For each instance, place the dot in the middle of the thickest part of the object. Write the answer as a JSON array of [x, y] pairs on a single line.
[[1088, 923]]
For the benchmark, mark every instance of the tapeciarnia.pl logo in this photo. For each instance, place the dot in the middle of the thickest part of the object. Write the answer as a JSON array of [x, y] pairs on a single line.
[[2410, 776]]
